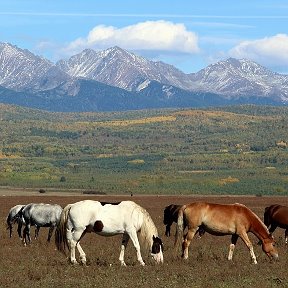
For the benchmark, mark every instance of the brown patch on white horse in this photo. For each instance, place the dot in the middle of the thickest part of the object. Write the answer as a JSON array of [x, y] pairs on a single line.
[[98, 226]]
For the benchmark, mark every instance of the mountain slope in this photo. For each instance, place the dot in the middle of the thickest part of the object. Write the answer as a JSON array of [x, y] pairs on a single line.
[[21, 70], [120, 68], [115, 80], [241, 78]]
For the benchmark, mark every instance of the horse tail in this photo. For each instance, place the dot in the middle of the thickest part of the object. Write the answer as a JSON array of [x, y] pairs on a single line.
[[267, 220], [179, 228], [60, 232]]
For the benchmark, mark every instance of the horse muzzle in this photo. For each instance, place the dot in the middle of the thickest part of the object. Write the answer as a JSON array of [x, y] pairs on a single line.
[[158, 257]]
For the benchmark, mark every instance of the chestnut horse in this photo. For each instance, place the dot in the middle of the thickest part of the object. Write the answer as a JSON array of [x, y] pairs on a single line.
[[276, 216], [219, 219]]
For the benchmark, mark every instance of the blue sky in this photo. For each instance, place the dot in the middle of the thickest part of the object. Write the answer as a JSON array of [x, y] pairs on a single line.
[[185, 33]]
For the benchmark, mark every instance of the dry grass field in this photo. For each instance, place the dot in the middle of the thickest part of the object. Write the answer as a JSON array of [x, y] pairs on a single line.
[[41, 265]]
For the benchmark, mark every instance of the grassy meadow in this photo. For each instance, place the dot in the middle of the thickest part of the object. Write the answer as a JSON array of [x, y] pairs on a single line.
[[233, 150]]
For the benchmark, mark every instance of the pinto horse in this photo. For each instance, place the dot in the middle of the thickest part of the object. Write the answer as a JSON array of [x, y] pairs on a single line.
[[276, 216], [105, 219], [219, 219]]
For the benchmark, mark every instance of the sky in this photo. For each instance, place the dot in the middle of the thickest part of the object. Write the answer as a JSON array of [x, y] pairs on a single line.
[[187, 34]]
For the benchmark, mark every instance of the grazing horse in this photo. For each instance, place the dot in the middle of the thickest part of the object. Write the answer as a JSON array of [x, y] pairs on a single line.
[[277, 216], [11, 219], [39, 215], [171, 215], [219, 219], [126, 218]]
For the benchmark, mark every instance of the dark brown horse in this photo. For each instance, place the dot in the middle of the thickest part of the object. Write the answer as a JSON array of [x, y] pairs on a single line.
[[171, 215], [219, 219], [276, 216]]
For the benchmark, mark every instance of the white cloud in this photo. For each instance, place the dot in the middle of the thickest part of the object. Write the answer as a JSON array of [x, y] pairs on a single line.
[[269, 51], [150, 35]]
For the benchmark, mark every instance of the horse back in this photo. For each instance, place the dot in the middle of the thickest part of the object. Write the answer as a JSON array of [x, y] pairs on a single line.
[[42, 214], [218, 218], [277, 214]]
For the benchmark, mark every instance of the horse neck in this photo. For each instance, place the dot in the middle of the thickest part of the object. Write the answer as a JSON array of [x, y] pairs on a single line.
[[148, 229], [258, 228]]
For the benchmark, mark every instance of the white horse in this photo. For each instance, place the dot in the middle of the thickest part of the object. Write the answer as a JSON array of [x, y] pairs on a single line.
[[107, 219]]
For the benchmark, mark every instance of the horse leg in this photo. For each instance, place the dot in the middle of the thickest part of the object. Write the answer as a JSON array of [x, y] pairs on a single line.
[[51, 229], [26, 234], [168, 229], [10, 227], [286, 236], [187, 240], [234, 239], [19, 229], [73, 239], [248, 243], [272, 228], [125, 239], [134, 238], [81, 251], [37, 228]]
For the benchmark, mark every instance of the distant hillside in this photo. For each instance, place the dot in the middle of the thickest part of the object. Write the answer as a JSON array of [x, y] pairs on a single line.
[[232, 150]]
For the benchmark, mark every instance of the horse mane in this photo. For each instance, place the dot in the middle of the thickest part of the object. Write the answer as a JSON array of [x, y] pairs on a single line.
[[259, 222], [148, 229], [60, 232]]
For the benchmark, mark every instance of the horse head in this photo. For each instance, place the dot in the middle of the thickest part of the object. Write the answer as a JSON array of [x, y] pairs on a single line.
[[157, 250], [269, 248]]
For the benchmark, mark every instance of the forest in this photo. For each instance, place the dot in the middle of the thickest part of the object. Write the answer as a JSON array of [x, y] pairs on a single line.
[[237, 150]]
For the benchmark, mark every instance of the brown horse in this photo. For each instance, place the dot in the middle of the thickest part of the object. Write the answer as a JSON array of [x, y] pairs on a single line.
[[219, 219], [277, 216]]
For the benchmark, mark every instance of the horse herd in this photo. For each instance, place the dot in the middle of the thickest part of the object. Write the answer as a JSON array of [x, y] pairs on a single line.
[[133, 221]]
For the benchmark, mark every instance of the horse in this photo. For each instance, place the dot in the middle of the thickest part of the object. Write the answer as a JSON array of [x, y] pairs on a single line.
[[39, 215], [11, 219], [107, 219], [171, 215], [277, 216], [224, 219]]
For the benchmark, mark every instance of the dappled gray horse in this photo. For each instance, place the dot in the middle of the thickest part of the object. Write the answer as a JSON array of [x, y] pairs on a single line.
[[40, 215]]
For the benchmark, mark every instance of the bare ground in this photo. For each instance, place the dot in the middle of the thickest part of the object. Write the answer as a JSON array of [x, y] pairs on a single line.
[[41, 265]]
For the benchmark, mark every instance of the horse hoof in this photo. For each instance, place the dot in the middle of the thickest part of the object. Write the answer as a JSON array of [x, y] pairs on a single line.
[[74, 262]]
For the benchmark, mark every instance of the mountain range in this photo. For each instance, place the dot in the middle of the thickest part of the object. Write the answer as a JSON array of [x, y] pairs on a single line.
[[115, 79]]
